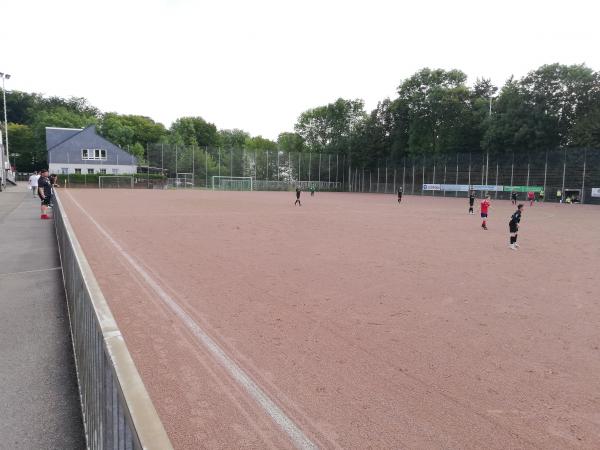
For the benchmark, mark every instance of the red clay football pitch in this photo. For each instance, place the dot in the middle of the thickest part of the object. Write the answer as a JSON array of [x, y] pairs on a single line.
[[352, 321]]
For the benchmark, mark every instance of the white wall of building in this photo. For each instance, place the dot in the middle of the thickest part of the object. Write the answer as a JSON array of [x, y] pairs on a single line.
[[120, 169]]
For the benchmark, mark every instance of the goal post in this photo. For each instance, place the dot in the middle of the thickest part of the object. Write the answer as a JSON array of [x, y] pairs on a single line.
[[223, 183], [115, 182]]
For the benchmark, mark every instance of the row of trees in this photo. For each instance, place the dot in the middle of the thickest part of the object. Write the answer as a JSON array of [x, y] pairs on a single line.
[[435, 113]]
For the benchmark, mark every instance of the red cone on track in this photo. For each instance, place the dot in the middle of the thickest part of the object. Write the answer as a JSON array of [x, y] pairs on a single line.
[[45, 217]]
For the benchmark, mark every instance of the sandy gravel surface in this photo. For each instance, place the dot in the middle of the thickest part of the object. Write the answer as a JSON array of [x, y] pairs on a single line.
[[370, 324]]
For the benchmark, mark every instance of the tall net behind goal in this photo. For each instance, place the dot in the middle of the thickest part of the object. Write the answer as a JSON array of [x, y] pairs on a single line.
[[115, 182], [231, 183]]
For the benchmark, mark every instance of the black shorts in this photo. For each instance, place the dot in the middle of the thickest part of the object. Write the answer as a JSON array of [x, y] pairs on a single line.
[[513, 227], [46, 201]]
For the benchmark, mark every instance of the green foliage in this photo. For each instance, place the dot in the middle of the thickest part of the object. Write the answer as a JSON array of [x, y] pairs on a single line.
[[435, 113], [331, 128], [290, 142], [232, 138], [193, 131]]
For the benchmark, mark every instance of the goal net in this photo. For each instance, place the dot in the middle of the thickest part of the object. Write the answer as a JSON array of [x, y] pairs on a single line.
[[231, 183], [183, 180], [115, 182]]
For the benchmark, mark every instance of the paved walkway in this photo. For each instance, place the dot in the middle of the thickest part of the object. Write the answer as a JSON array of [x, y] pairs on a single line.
[[39, 402]]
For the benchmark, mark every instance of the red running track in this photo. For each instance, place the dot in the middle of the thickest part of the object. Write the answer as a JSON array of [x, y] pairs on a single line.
[[366, 323]]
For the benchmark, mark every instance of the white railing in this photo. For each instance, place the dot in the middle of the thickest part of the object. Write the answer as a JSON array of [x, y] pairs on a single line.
[[117, 410]]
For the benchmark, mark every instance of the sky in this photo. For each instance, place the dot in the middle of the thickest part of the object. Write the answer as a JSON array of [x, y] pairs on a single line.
[[258, 64]]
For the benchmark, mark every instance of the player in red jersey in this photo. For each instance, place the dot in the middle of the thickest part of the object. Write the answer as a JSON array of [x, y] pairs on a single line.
[[485, 206]]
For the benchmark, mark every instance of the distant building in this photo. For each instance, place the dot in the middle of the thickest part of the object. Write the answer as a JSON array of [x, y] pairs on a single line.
[[82, 150]]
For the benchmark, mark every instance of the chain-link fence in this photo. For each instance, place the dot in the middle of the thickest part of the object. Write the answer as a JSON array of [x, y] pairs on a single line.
[[574, 172]]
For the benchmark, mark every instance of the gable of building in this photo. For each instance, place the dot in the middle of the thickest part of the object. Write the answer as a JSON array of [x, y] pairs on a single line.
[[86, 146]]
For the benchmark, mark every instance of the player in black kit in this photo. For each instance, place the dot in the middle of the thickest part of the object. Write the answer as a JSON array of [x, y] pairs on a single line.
[[513, 227], [471, 201], [399, 195], [297, 202]]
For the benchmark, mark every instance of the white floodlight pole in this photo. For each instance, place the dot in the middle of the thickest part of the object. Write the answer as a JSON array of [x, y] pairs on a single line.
[[487, 162], [5, 76]]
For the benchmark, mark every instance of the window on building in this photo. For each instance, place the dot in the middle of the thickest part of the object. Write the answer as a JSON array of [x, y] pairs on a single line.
[[115, 171], [93, 153], [90, 171], [103, 171], [77, 170], [64, 170]]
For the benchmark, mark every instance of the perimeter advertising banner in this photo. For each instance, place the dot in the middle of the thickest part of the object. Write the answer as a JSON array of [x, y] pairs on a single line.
[[488, 187], [595, 192], [523, 188], [462, 187]]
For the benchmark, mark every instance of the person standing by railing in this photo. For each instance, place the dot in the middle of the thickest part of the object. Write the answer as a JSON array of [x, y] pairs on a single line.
[[45, 194], [33, 183]]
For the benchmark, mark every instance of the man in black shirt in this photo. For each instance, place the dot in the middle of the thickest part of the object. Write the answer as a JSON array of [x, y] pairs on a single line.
[[471, 201], [513, 227], [513, 197], [297, 202], [399, 194], [45, 193]]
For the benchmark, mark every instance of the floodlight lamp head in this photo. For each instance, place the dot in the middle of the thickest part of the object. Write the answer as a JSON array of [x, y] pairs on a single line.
[[7, 76]]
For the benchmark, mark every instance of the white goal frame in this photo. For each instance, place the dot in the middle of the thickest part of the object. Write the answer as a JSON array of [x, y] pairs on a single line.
[[131, 178], [214, 177]]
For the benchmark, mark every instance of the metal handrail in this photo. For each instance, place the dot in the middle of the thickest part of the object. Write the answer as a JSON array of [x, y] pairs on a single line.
[[117, 410]]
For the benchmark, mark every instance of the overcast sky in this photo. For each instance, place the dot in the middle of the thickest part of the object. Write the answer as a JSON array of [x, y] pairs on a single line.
[[257, 64]]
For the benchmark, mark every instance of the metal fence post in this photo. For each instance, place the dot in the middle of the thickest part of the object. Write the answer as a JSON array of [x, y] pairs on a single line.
[[563, 175], [413, 178], [403, 174], [496, 192], [545, 175], [583, 177], [206, 165], [319, 168], [445, 168], [527, 174], [386, 179], [512, 170], [469, 171], [456, 182], [423, 181], [309, 165], [433, 180]]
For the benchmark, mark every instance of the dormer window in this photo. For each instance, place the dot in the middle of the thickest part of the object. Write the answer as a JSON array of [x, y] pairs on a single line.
[[94, 153]]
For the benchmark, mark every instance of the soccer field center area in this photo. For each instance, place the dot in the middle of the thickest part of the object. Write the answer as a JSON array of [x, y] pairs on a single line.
[[352, 321]]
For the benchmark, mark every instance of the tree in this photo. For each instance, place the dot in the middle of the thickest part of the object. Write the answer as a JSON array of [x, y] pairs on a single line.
[[233, 138], [439, 112], [290, 142], [24, 154], [330, 128], [193, 131]]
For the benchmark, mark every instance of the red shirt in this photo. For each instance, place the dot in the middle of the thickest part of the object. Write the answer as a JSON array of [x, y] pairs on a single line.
[[530, 195], [485, 204]]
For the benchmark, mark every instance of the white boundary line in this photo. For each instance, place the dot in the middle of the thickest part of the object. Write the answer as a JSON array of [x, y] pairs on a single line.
[[29, 271], [300, 440]]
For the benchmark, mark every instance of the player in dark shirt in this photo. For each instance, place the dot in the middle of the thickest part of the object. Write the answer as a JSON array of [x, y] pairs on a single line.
[[399, 195], [471, 201], [45, 193], [297, 202], [513, 227], [513, 198]]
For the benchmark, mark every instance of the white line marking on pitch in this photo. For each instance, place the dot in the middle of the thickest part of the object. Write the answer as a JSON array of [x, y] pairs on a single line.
[[296, 435], [29, 271]]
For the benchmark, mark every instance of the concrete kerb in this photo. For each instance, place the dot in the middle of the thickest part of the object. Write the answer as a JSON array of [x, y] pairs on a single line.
[[147, 431]]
